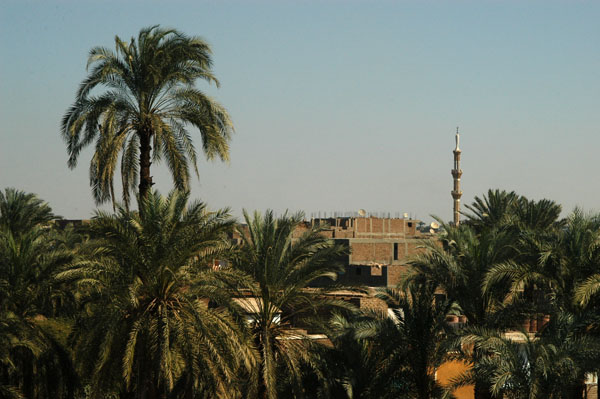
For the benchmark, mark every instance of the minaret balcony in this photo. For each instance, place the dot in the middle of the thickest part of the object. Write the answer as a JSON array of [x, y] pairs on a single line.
[[456, 194], [456, 173]]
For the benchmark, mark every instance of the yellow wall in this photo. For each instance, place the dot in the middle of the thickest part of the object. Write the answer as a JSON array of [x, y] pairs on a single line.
[[451, 369]]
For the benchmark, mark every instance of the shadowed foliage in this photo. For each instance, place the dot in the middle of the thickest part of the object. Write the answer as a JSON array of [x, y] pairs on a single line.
[[562, 263], [279, 267], [33, 361], [550, 365], [358, 365], [418, 329], [459, 267], [146, 330], [391, 354], [20, 212]]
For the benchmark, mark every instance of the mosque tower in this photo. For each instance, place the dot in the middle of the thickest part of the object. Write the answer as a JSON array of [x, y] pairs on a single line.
[[456, 174]]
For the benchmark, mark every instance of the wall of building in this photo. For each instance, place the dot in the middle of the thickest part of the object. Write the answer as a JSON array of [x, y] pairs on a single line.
[[369, 227], [379, 248], [371, 276]]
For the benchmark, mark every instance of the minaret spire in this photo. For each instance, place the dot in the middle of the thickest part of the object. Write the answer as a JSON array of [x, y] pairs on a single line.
[[456, 174]]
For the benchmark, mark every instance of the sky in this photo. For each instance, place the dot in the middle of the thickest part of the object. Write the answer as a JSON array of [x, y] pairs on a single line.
[[337, 105]]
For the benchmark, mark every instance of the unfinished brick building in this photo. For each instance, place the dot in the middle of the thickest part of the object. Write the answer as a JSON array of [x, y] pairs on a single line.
[[378, 248]]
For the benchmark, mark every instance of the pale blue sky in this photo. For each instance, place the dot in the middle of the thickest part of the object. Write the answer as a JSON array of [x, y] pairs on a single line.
[[338, 105]]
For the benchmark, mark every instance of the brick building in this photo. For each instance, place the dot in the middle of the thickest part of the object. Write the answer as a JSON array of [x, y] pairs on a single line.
[[378, 248]]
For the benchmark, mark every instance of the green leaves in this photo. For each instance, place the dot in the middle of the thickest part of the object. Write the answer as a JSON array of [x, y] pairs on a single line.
[[280, 263], [33, 307], [21, 212], [149, 94], [152, 279]]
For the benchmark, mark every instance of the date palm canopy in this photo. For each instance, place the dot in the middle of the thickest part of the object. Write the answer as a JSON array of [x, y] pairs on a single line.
[[147, 282], [140, 101], [281, 266]]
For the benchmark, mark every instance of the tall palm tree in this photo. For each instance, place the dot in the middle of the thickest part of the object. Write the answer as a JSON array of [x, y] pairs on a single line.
[[280, 267], [149, 103], [146, 329]]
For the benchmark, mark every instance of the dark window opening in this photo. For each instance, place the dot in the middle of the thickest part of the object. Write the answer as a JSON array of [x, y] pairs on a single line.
[[395, 251], [409, 224], [358, 271]]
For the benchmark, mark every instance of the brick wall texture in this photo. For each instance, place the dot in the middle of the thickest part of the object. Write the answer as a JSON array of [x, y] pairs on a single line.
[[384, 244]]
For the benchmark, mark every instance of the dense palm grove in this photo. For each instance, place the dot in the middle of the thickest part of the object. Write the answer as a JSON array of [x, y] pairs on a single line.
[[159, 302], [132, 305]]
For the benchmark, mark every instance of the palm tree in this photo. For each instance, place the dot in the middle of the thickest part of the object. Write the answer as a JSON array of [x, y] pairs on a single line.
[[551, 365], [146, 329], [588, 284], [279, 267], [364, 363], [17, 340], [493, 210], [34, 361], [412, 340], [459, 267], [502, 209], [588, 289], [20, 212], [564, 262], [149, 102], [419, 328], [390, 354], [537, 216], [28, 263]]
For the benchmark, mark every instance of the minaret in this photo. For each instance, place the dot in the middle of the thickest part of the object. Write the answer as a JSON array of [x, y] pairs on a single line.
[[456, 174]]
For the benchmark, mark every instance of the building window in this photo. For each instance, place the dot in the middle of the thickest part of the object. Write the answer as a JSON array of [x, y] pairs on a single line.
[[409, 224], [358, 271], [395, 251]]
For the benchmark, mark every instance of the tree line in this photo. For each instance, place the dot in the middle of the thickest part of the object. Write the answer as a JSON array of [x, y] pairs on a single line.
[[133, 305]]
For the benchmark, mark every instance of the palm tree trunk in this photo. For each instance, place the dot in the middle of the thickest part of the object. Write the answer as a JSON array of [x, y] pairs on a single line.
[[266, 390], [262, 384], [145, 178]]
